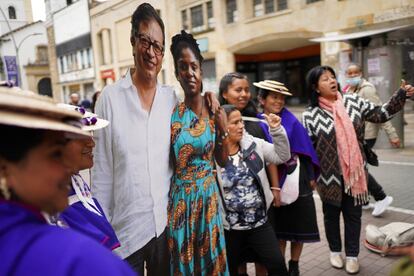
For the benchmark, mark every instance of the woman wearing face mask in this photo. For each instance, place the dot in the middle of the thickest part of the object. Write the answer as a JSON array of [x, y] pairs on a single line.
[[246, 193], [304, 228], [358, 85], [335, 124], [195, 230], [84, 213], [35, 181]]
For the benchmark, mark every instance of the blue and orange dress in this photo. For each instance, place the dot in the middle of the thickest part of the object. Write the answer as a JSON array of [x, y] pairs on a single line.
[[195, 234]]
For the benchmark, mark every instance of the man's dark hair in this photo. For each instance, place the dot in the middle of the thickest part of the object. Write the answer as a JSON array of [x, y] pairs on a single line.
[[181, 41], [145, 13], [312, 79]]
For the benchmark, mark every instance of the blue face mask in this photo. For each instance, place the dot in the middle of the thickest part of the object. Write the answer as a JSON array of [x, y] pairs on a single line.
[[353, 81]]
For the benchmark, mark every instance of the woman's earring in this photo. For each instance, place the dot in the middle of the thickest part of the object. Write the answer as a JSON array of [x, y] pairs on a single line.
[[317, 91], [4, 189]]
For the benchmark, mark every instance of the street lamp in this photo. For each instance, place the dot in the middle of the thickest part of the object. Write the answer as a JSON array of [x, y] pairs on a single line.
[[19, 77], [17, 47]]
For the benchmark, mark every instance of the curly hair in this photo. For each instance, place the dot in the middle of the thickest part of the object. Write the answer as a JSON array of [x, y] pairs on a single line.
[[145, 13], [181, 41]]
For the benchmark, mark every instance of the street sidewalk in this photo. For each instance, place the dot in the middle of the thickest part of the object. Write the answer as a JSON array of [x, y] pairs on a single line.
[[315, 257]]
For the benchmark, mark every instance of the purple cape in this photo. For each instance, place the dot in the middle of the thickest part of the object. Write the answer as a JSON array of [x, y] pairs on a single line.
[[299, 141], [77, 217], [29, 246]]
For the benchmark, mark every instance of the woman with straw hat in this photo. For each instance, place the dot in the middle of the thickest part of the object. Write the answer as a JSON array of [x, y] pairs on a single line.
[[35, 180], [84, 213], [295, 222]]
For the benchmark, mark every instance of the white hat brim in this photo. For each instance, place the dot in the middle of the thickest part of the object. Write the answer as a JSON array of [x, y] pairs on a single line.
[[272, 88], [25, 120]]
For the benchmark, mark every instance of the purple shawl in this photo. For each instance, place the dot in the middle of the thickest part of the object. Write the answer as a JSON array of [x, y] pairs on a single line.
[[299, 141], [29, 246]]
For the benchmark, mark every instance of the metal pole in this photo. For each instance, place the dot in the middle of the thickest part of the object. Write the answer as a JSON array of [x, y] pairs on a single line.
[[18, 58]]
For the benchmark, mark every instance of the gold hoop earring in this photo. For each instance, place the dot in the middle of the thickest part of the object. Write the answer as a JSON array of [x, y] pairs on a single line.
[[4, 189]]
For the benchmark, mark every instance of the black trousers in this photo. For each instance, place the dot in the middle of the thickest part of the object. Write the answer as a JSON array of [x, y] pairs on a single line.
[[352, 222], [374, 188], [155, 254], [262, 240]]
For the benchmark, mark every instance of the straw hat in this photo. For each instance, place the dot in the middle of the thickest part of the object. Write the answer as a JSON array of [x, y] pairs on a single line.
[[90, 121], [274, 86], [29, 110]]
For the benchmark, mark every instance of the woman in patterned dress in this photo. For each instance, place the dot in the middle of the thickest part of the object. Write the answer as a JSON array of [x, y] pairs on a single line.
[[195, 234]]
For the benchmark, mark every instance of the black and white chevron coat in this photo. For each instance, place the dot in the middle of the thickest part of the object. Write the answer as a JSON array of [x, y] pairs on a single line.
[[320, 126]]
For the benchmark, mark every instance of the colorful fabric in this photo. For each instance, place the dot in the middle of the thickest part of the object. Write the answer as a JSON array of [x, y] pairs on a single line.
[[29, 246], [300, 143], [350, 157], [245, 205], [195, 232]]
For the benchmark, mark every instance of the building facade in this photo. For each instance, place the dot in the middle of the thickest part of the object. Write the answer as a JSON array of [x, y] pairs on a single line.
[[265, 39], [23, 47], [14, 14], [70, 48], [110, 32]]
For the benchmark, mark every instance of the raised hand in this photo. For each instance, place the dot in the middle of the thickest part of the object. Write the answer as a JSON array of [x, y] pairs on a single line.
[[408, 88], [273, 120]]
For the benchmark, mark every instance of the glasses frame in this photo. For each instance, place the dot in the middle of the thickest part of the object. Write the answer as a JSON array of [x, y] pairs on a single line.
[[146, 43]]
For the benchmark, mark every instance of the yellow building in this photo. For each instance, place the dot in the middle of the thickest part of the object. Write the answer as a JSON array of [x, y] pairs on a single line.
[[110, 31], [265, 39]]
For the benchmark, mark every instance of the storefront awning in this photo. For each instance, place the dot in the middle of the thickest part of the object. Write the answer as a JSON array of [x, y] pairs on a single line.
[[350, 36]]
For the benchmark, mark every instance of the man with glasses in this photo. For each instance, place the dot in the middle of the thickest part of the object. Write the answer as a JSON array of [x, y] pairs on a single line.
[[132, 172]]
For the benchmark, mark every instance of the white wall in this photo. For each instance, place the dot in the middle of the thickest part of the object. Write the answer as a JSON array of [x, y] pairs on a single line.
[[72, 22], [20, 15], [27, 50]]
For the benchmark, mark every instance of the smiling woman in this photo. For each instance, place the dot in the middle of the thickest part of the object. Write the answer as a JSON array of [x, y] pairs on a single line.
[[34, 183], [195, 231], [84, 214]]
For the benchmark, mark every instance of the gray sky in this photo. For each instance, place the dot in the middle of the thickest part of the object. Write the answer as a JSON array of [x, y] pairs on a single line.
[[38, 8]]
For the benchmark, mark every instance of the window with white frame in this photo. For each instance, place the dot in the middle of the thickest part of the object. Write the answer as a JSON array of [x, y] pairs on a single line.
[[261, 7], [198, 18], [184, 20], [197, 22], [210, 16], [231, 11]]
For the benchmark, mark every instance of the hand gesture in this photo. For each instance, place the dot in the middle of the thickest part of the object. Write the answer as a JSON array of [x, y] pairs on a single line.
[[408, 88], [273, 120]]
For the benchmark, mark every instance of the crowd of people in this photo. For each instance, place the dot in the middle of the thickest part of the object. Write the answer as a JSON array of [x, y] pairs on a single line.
[[196, 187]]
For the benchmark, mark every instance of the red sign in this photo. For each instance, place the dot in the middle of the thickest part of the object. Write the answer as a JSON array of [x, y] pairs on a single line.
[[108, 74]]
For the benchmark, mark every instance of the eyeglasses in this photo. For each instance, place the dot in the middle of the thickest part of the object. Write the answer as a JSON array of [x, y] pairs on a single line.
[[146, 43]]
